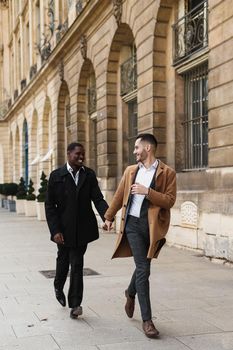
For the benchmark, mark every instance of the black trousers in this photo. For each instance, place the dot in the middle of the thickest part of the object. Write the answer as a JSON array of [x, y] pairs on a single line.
[[137, 233], [73, 257]]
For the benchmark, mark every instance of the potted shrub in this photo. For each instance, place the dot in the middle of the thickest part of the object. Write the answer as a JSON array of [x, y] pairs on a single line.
[[11, 189], [30, 203], [2, 196], [41, 197], [21, 197]]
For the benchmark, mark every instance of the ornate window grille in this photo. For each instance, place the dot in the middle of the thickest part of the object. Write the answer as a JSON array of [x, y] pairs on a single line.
[[196, 117], [4, 108], [51, 15], [132, 128], [33, 70], [67, 115], [23, 84], [91, 99], [80, 4], [16, 94], [79, 7], [129, 75], [190, 33], [61, 30]]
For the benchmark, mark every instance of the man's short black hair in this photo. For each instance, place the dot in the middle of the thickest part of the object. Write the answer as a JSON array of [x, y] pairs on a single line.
[[73, 145], [148, 138]]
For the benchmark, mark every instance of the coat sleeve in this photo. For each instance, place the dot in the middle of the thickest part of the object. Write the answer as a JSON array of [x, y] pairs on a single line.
[[98, 198], [167, 199], [117, 201], [51, 210]]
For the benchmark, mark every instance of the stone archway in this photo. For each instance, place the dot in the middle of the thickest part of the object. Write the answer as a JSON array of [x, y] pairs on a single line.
[[86, 112], [33, 154], [63, 123], [11, 164], [46, 140], [164, 84], [117, 108], [17, 156], [2, 165]]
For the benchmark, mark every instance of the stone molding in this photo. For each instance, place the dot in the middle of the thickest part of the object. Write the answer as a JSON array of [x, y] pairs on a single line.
[[83, 46], [117, 10], [61, 70], [4, 4]]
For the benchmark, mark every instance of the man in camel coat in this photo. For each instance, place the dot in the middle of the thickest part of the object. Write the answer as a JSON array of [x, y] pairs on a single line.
[[146, 193]]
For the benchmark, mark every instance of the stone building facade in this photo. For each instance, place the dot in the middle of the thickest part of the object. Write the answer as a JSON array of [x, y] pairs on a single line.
[[101, 71]]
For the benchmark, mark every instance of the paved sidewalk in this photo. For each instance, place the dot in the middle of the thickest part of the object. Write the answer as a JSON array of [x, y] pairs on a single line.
[[192, 298]]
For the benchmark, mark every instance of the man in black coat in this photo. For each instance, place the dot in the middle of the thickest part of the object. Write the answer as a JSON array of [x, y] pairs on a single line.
[[72, 222]]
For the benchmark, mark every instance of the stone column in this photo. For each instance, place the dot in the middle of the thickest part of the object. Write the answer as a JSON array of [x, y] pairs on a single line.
[[31, 36]]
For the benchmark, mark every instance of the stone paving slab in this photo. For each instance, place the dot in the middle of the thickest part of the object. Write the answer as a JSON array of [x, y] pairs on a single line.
[[191, 298], [223, 341], [99, 336], [44, 342], [161, 344]]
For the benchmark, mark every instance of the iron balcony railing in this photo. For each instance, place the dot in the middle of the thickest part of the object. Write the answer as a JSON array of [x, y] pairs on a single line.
[[128, 76], [190, 33], [3, 108], [80, 4]]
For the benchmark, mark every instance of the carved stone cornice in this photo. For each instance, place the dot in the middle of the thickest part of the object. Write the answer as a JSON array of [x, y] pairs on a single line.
[[61, 70], [4, 4], [83, 46], [117, 10]]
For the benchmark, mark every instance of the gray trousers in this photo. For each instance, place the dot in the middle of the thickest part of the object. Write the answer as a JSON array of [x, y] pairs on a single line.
[[137, 233]]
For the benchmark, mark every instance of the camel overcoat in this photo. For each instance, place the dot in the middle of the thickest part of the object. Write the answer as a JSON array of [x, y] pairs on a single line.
[[161, 199]]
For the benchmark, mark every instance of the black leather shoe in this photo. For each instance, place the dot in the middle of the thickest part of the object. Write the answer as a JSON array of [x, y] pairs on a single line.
[[60, 296], [76, 312]]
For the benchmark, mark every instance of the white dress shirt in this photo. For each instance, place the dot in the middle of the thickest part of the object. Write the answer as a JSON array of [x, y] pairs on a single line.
[[144, 177], [76, 177]]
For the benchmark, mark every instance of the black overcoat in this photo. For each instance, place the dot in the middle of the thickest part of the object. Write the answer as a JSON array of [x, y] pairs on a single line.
[[68, 207]]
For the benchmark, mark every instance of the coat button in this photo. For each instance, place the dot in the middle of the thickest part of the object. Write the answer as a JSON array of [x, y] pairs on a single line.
[[125, 205], [123, 219], [121, 232]]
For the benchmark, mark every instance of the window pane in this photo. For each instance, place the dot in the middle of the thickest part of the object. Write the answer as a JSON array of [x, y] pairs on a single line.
[[196, 117], [132, 128]]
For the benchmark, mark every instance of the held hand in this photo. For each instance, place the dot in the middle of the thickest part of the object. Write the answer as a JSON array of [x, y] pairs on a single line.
[[139, 189], [58, 238], [107, 226]]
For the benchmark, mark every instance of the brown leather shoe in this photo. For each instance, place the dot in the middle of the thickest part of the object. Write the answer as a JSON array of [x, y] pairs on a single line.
[[149, 329], [130, 304]]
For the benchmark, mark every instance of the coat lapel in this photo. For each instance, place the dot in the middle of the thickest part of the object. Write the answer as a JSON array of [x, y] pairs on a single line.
[[64, 171], [81, 179], [132, 176], [160, 169]]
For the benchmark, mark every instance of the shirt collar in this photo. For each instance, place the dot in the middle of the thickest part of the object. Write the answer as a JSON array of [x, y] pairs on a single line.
[[153, 166], [69, 168]]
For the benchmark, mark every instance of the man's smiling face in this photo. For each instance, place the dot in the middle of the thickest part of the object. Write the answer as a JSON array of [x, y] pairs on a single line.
[[76, 157]]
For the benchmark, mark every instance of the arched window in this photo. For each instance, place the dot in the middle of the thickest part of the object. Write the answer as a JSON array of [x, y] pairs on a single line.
[[91, 92], [2, 165], [128, 86], [67, 121], [25, 151]]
